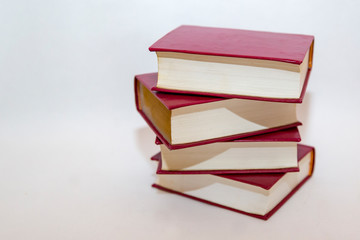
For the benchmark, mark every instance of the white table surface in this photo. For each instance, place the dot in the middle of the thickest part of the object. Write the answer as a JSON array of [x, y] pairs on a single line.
[[74, 154]]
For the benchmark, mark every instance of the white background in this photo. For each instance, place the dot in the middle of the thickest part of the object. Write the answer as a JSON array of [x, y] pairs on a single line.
[[74, 153]]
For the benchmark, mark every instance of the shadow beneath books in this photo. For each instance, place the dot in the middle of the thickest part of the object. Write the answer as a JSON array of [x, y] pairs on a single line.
[[196, 157], [303, 111], [145, 142], [253, 114], [207, 183]]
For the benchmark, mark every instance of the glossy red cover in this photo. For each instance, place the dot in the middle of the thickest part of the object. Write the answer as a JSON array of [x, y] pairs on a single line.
[[173, 101], [283, 47], [261, 180]]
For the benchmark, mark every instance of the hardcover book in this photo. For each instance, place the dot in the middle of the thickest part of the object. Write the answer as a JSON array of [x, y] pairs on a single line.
[[188, 120], [257, 195], [234, 63], [270, 152]]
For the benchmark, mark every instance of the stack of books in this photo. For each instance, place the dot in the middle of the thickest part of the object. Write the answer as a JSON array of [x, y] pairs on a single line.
[[223, 108]]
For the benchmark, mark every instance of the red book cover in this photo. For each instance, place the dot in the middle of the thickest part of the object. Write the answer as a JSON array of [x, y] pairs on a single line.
[[173, 101], [282, 47], [263, 180]]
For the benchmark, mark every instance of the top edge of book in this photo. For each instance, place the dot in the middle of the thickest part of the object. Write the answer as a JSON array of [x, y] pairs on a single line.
[[282, 47]]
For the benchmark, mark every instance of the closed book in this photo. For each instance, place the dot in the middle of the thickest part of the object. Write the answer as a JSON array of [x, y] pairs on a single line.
[[257, 195], [181, 120], [238, 63], [270, 152]]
